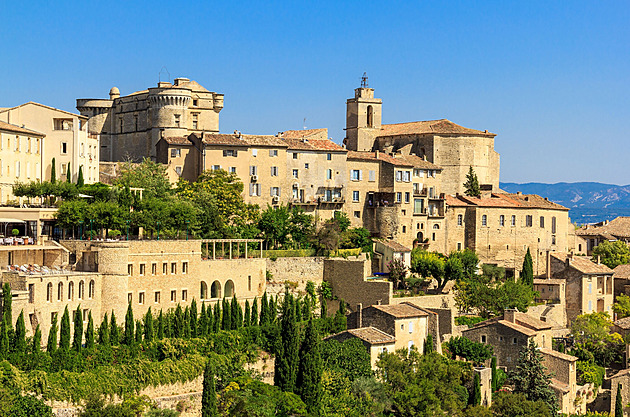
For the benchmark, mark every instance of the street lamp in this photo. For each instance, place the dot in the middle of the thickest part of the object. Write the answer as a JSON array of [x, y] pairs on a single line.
[[128, 221], [187, 223], [158, 230]]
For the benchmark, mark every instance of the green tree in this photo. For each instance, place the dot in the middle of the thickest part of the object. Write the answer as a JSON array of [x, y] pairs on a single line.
[[247, 315], [527, 273], [618, 402], [428, 344], [517, 405], [217, 317], [80, 181], [264, 310], [114, 333], [236, 314], [476, 394], [129, 335], [612, 254], [64, 335], [51, 346], [4, 340], [309, 377], [493, 382], [209, 396], [7, 308], [397, 272], [148, 326], [77, 340], [36, 347], [287, 349], [463, 347], [68, 174], [621, 307], [193, 318], [160, 329], [53, 172], [19, 339], [254, 315], [226, 318], [139, 332], [103, 332], [471, 186], [531, 378], [89, 332], [29, 406], [488, 299], [469, 260]]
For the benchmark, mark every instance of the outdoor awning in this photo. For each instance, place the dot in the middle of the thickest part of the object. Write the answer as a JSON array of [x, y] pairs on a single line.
[[9, 220]]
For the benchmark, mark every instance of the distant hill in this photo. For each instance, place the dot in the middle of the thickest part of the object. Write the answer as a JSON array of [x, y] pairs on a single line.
[[590, 202]]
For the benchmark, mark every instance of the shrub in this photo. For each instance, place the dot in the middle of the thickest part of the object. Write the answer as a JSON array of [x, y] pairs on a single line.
[[469, 321], [473, 351]]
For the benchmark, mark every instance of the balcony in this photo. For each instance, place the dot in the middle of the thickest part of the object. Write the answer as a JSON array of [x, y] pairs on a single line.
[[420, 193], [436, 196], [381, 199]]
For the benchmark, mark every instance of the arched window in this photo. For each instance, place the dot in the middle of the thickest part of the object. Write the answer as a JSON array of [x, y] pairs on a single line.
[[81, 290], [436, 226], [215, 290], [460, 219], [91, 289], [71, 290], [370, 116], [204, 290], [420, 236], [229, 289], [49, 293], [60, 291]]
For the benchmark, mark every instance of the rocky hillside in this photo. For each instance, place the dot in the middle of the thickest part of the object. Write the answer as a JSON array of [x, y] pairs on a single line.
[[589, 202]]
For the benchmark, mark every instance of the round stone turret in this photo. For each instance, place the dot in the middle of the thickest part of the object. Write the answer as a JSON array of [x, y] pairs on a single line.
[[114, 93]]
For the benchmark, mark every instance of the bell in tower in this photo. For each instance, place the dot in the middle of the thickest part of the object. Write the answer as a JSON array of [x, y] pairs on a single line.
[[363, 118]]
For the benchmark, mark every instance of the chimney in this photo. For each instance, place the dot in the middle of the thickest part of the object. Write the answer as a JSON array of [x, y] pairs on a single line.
[[519, 193], [359, 315], [598, 260], [379, 302], [510, 315], [377, 153]]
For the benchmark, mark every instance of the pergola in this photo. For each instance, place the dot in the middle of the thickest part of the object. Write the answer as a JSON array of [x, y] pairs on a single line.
[[230, 243]]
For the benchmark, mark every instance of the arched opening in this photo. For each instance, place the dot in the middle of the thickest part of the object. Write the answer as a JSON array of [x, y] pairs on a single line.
[[215, 290], [60, 291], [81, 290], [204, 290], [436, 226], [420, 236], [229, 289], [370, 116], [91, 289], [70, 290], [49, 292]]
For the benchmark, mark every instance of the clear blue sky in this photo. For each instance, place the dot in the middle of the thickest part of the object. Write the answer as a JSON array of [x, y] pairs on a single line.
[[551, 78]]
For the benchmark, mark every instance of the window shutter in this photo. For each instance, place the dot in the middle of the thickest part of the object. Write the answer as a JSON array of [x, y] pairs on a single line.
[[235, 153], [224, 152], [270, 152], [271, 191], [360, 175]]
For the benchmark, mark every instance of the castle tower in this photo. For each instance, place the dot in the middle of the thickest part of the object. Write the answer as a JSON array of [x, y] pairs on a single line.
[[363, 118]]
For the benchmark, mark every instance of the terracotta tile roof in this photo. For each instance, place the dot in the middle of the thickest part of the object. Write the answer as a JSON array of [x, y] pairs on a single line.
[[622, 272], [372, 335], [398, 160], [558, 355], [393, 245], [402, 310], [305, 134], [623, 323], [618, 227], [225, 139], [18, 129], [177, 140], [524, 324], [545, 281], [583, 264], [533, 323], [313, 145], [504, 200], [442, 126], [46, 107], [521, 329]]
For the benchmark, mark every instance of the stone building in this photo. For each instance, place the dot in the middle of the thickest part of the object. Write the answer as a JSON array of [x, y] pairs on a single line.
[[21, 158], [130, 126], [589, 285], [509, 334], [589, 236], [621, 278], [386, 250], [374, 340], [501, 227], [67, 140], [563, 371]]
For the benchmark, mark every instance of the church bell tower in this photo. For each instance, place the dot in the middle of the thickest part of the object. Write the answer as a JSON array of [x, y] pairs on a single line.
[[363, 118]]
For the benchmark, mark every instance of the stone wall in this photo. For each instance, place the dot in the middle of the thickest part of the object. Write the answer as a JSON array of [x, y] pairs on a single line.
[[347, 278], [299, 270]]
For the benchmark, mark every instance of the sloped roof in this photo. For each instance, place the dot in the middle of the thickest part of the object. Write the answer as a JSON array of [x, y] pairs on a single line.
[[177, 140], [372, 335], [33, 103], [242, 140], [623, 323], [398, 160], [305, 134], [558, 355], [545, 281], [622, 271], [582, 264], [504, 200], [523, 324], [618, 227], [402, 310], [17, 129], [441, 126], [393, 245]]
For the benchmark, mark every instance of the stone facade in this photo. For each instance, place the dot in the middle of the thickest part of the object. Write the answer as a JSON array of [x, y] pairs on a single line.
[[563, 368]]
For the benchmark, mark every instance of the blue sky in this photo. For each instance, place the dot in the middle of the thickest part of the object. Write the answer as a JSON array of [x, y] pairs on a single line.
[[552, 79]]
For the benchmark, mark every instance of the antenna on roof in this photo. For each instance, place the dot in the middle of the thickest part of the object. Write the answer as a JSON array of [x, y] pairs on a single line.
[[364, 80], [164, 69], [304, 124]]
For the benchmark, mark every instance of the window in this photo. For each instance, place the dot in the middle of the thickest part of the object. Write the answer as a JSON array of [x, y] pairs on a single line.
[[249, 283], [120, 125], [177, 117], [370, 116], [553, 225], [418, 206], [502, 220], [178, 170], [398, 197], [590, 306], [129, 269], [232, 170], [371, 175], [156, 296], [329, 157], [410, 327], [230, 152], [357, 214], [129, 297], [91, 290], [459, 245], [514, 341], [484, 339], [141, 298], [254, 152], [399, 176], [164, 268], [49, 292], [135, 122], [295, 155], [274, 191], [81, 290], [254, 189], [143, 267], [407, 197], [195, 102], [433, 237], [355, 196], [70, 290], [355, 175], [406, 176], [528, 221], [253, 170], [62, 124], [306, 166], [17, 169], [329, 174], [460, 219], [513, 222], [274, 171], [184, 295], [542, 222], [553, 240], [216, 167], [173, 296], [184, 267], [173, 268], [418, 173], [484, 220], [274, 152], [410, 345], [53, 317], [404, 229], [295, 173], [31, 293], [195, 121]]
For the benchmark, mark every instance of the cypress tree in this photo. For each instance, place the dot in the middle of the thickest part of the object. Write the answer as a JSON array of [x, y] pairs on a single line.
[[51, 346], [138, 335], [203, 321], [19, 341], [209, 396], [309, 377], [64, 335], [160, 331], [471, 186], [264, 310], [618, 402], [89, 332], [114, 332], [209, 320], [235, 320], [80, 178], [527, 274], [287, 357], [148, 326], [36, 348], [306, 308], [169, 318], [186, 329], [323, 307], [7, 308], [68, 174], [78, 330], [129, 335], [4, 340], [298, 310], [226, 320], [53, 172], [193, 318], [495, 375], [428, 344], [254, 315], [247, 315], [103, 332], [178, 322], [475, 398], [217, 317]]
